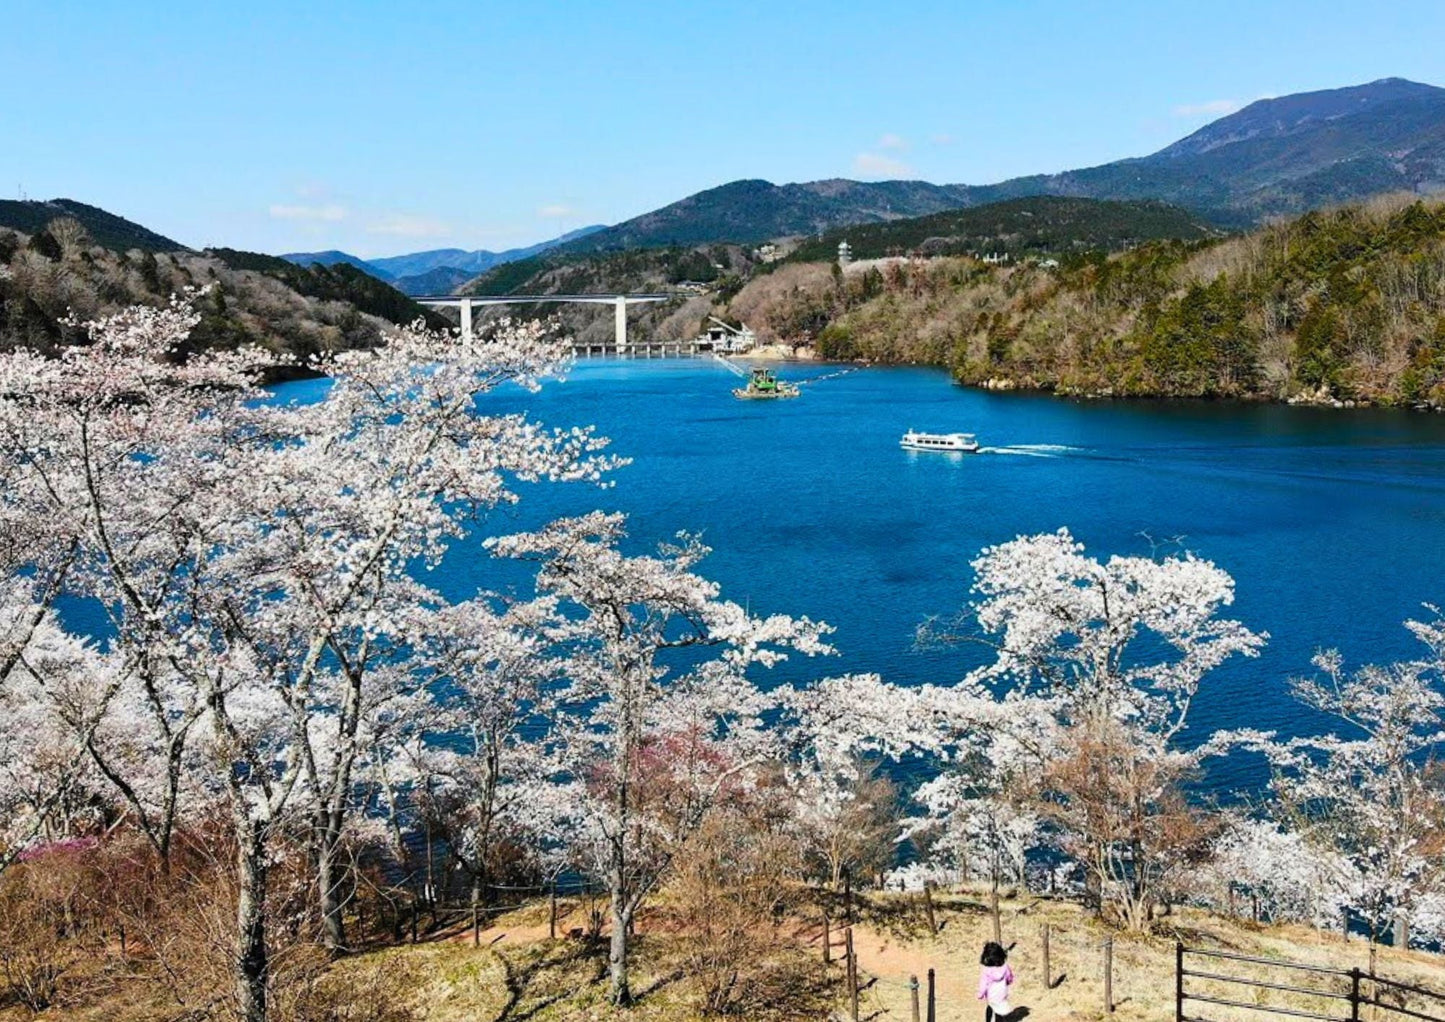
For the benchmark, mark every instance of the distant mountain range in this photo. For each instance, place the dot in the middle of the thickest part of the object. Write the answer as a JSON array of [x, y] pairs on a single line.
[[1274, 157], [438, 270]]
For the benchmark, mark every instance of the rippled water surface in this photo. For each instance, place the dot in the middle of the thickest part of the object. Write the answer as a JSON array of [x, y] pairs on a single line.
[[1332, 522]]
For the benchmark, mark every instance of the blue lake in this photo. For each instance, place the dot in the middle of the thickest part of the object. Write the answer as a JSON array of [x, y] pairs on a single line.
[[1332, 522]]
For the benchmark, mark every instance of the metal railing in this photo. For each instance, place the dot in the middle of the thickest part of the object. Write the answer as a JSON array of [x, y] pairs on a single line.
[[1346, 991]]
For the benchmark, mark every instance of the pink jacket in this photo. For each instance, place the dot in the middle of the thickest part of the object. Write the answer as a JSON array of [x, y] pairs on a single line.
[[990, 975]]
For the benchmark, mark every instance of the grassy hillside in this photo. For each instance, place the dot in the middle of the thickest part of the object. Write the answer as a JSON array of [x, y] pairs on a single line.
[[1343, 305], [513, 970], [1045, 225]]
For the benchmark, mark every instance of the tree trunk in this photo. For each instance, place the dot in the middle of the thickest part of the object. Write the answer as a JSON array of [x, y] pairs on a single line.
[[619, 992], [252, 967], [328, 881]]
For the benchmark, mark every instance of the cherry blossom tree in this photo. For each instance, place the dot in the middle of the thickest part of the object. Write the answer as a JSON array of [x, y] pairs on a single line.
[[1290, 879], [48, 682], [1099, 663], [837, 734], [1369, 801], [661, 718], [252, 559], [487, 682]]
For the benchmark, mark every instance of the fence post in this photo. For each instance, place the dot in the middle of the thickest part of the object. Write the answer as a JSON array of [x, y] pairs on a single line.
[[1178, 981], [993, 904], [1253, 907], [932, 1002], [552, 912], [1048, 970], [1109, 975], [913, 995], [1401, 935], [476, 917], [1374, 998], [928, 906], [852, 975], [1355, 994], [848, 895], [827, 938]]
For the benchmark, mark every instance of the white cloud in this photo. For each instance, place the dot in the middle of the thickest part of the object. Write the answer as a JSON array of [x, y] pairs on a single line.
[[875, 165], [1211, 108], [556, 211], [942, 138], [329, 213], [892, 141], [403, 225]]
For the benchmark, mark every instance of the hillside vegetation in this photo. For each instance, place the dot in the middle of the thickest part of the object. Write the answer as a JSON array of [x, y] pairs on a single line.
[[1043, 225], [1342, 305], [339, 282], [60, 271], [753, 211], [513, 969], [1276, 157], [104, 228], [721, 269]]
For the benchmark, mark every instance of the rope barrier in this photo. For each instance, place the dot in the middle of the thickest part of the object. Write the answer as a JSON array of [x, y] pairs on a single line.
[[830, 376]]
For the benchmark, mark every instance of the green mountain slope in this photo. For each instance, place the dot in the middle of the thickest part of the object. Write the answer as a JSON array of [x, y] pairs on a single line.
[[1042, 225], [1338, 306], [754, 211], [105, 229], [1279, 156], [1275, 157]]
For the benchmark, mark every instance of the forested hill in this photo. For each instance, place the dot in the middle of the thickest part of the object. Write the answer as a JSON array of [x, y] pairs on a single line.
[[1275, 157], [1044, 225], [698, 274], [337, 282], [59, 270], [1342, 305], [103, 228], [1279, 156], [755, 211]]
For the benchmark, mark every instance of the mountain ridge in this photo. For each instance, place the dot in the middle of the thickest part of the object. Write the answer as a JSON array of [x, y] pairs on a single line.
[[106, 229], [416, 273], [1275, 157]]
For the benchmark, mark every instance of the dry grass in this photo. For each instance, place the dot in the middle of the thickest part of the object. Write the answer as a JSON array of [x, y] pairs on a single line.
[[518, 975], [893, 943]]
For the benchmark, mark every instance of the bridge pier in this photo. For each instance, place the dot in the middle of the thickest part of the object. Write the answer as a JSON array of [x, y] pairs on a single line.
[[466, 307], [620, 321]]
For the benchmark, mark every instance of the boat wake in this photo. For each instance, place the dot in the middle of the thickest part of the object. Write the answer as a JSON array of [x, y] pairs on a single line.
[[1035, 450]]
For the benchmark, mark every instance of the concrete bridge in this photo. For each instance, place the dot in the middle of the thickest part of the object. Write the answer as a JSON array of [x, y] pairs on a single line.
[[620, 344]]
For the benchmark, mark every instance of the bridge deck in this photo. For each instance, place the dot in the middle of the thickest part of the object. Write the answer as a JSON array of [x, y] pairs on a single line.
[[458, 300]]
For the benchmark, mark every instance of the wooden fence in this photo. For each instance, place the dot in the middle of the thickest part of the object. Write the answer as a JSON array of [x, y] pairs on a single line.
[[1208, 983]]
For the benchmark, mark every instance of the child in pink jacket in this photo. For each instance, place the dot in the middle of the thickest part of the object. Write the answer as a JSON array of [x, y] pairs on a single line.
[[994, 981]]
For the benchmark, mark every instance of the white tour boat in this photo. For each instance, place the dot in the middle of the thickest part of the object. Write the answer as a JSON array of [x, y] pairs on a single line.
[[959, 442]]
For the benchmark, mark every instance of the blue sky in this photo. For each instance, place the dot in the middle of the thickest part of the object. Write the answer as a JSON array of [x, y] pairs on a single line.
[[388, 128]]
